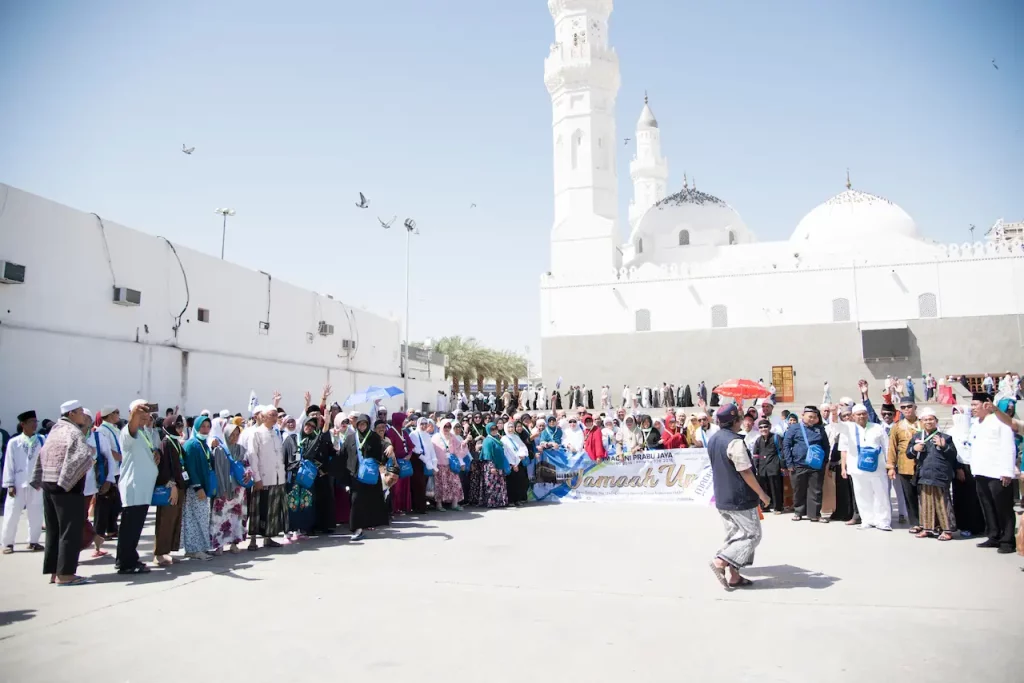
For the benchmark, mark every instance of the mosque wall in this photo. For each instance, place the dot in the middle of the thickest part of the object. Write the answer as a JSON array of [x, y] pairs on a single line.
[[62, 336], [832, 352], [873, 294]]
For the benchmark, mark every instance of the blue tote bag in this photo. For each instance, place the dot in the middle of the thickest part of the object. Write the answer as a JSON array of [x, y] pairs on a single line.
[[815, 454], [867, 458], [369, 471], [404, 469], [455, 464], [306, 474]]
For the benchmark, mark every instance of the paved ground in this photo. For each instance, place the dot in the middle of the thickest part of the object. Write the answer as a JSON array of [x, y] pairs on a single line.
[[571, 592]]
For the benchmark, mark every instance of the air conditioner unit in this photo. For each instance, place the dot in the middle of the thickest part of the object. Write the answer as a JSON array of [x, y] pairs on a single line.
[[348, 344], [12, 273], [324, 329], [123, 296]]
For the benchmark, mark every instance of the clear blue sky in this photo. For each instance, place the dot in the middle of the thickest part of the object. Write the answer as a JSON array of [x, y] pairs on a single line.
[[428, 106]]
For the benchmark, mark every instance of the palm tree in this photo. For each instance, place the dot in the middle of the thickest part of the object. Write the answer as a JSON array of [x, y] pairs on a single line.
[[459, 353], [485, 364]]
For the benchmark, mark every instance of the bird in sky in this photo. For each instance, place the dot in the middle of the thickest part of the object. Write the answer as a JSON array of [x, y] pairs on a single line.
[[187, 150], [995, 65], [472, 206], [363, 202], [627, 140], [388, 224]]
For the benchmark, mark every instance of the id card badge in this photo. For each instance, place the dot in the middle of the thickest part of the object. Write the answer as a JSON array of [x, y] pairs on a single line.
[[184, 476]]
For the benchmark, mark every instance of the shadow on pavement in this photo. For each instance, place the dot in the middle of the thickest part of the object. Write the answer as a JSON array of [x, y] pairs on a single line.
[[14, 616], [788, 576]]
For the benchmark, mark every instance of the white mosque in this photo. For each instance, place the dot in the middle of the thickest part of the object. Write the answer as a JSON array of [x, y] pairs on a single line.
[[857, 291]]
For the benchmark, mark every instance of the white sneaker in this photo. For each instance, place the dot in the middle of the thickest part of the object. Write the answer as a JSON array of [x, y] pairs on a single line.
[[358, 535]]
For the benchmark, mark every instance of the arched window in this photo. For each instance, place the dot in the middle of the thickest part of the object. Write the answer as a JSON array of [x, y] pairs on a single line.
[[577, 142], [840, 310], [640, 246], [643, 320], [732, 237], [719, 316], [684, 238], [927, 306]]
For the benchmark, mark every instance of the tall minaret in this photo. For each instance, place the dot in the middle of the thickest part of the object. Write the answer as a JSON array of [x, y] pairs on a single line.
[[582, 75], [649, 170]]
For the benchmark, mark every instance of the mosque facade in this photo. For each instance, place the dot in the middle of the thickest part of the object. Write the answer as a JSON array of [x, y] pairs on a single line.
[[856, 292]]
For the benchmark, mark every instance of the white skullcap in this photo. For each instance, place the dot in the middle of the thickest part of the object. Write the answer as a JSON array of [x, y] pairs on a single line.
[[825, 406], [88, 413], [107, 410], [926, 412], [136, 404], [860, 408], [225, 413], [846, 401], [68, 406], [205, 412]]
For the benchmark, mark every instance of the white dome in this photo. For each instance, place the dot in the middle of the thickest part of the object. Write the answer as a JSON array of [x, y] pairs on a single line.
[[669, 230], [853, 216]]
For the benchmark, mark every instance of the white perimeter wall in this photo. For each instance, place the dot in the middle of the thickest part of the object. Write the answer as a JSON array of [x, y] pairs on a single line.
[[61, 335]]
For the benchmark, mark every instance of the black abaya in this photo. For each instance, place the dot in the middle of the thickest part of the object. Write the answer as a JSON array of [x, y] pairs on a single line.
[[966, 507], [369, 509], [687, 397], [518, 485]]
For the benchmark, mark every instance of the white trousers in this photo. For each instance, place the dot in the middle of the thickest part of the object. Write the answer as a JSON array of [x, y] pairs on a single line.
[[29, 498], [871, 490]]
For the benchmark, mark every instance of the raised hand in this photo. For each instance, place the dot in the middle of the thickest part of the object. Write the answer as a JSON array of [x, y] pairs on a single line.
[[327, 391], [277, 399]]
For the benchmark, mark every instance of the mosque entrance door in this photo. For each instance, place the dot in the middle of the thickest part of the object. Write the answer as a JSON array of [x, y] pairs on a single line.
[[782, 378]]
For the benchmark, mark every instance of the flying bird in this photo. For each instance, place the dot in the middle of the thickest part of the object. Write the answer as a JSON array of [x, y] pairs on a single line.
[[187, 150], [388, 224], [472, 206], [627, 141], [363, 202], [995, 65]]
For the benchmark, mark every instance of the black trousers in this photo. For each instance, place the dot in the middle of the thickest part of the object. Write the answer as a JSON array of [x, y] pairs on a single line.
[[133, 518], [807, 484], [64, 514], [910, 496], [105, 511], [772, 485], [997, 508], [418, 484], [323, 503]]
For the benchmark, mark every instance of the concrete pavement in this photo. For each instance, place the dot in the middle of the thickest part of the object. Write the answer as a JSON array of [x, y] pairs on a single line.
[[570, 592]]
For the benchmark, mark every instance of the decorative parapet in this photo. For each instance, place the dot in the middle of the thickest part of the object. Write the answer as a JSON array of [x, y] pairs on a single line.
[[795, 263]]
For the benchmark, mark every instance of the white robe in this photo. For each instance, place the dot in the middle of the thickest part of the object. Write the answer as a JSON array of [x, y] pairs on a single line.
[[19, 463], [871, 489]]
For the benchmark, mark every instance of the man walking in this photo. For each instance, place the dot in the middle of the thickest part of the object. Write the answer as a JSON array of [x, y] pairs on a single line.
[[899, 466], [736, 496], [19, 464]]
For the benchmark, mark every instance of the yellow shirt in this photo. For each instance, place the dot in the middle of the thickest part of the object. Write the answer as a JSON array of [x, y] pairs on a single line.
[[899, 439]]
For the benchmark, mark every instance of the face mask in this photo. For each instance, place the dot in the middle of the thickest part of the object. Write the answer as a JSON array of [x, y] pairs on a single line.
[[200, 436]]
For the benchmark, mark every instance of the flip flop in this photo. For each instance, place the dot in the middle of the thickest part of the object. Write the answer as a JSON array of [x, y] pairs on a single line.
[[77, 581], [719, 573], [742, 583]]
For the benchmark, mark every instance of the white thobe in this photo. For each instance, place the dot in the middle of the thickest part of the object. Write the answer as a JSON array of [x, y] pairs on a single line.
[[871, 489], [20, 461]]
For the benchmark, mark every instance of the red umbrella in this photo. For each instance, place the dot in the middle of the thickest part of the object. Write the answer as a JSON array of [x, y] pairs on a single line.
[[742, 388]]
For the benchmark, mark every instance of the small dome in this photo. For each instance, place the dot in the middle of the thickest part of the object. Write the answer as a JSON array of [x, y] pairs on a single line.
[[688, 218], [647, 119], [854, 216]]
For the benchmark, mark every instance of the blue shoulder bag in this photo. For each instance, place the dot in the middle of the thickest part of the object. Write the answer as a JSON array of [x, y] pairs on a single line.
[[404, 469], [306, 474], [454, 463], [369, 470], [101, 461], [815, 454], [867, 458]]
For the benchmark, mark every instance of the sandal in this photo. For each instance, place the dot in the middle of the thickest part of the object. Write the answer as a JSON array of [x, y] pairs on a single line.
[[916, 529], [742, 583], [797, 518], [945, 536], [77, 581], [922, 534], [99, 553], [719, 573], [137, 569]]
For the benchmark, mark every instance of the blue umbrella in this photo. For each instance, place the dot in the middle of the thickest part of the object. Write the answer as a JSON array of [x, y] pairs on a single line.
[[371, 394]]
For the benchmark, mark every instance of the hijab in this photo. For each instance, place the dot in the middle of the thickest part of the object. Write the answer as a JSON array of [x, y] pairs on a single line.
[[552, 433], [306, 441]]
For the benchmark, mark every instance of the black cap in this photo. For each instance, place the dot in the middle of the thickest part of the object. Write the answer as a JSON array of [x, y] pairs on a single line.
[[981, 396], [27, 415]]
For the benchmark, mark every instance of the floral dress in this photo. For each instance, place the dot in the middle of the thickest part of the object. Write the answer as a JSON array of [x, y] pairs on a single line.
[[227, 521]]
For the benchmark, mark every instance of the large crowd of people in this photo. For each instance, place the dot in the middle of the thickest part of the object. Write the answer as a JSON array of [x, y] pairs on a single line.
[[223, 482]]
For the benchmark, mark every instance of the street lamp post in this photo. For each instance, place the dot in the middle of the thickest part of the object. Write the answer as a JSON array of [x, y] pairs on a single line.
[[224, 227], [410, 227]]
